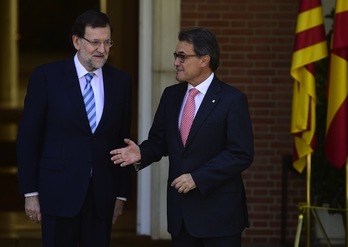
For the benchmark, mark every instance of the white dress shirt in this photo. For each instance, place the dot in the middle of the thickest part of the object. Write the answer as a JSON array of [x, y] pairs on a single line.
[[202, 88], [96, 83]]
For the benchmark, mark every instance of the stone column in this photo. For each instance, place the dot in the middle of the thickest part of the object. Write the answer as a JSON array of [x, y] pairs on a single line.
[[159, 25], [9, 95], [9, 54], [166, 25]]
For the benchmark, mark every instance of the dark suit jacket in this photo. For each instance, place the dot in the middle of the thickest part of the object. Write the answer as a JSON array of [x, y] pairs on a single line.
[[56, 148], [219, 148]]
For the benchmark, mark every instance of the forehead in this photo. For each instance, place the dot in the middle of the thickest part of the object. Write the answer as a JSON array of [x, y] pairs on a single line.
[[184, 47], [97, 32]]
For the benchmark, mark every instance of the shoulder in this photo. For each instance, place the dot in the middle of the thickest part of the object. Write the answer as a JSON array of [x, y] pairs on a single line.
[[226, 93], [178, 87], [113, 72], [225, 88], [56, 67], [224, 85]]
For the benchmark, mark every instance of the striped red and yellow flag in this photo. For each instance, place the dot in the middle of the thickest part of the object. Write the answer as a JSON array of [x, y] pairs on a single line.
[[336, 146], [310, 46]]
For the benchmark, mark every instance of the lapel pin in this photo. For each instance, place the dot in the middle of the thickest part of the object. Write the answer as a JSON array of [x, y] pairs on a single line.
[[213, 101]]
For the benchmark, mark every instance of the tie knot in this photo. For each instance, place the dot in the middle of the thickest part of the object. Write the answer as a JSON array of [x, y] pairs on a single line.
[[89, 77], [193, 92]]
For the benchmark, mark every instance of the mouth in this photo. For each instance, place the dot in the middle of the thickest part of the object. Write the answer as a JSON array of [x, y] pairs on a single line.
[[99, 56], [179, 70]]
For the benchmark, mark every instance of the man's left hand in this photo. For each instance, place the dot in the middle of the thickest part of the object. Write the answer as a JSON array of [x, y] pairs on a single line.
[[184, 183]]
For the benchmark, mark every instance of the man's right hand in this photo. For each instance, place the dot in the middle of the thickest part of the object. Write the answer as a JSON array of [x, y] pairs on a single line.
[[128, 155], [32, 208]]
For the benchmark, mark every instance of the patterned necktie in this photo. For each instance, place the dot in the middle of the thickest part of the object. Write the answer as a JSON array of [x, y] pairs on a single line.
[[88, 98], [188, 115]]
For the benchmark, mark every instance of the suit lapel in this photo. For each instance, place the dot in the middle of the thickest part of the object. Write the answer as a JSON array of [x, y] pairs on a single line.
[[71, 84], [177, 102], [108, 91]]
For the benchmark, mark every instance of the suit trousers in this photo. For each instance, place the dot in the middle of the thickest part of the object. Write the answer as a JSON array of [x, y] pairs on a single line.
[[86, 229], [186, 239]]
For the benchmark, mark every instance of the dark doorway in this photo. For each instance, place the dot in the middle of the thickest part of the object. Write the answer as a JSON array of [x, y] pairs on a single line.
[[44, 36]]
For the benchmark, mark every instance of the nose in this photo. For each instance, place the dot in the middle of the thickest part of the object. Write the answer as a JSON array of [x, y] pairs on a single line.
[[176, 61], [101, 48]]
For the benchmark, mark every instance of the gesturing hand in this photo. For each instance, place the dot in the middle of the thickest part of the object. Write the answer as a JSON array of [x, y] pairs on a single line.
[[127, 155]]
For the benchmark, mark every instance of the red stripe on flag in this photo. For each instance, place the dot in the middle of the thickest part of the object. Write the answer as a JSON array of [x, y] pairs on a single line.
[[336, 146], [309, 37], [309, 4], [311, 68], [340, 42]]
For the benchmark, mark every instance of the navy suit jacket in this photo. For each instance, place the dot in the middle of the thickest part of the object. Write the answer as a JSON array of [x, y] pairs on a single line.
[[56, 148], [219, 148]]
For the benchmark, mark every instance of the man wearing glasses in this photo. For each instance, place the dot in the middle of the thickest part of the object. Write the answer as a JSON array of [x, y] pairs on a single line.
[[203, 126], [75, 112]]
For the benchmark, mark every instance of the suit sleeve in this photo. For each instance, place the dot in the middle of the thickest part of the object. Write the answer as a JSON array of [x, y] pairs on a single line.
[[125, 178], [30, 133], [154, 148]]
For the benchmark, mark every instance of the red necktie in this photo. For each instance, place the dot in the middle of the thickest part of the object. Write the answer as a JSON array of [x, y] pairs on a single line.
[[188, 115]]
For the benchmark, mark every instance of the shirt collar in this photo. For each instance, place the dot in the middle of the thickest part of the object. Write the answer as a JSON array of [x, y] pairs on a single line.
[[81, 71], [203, 87]]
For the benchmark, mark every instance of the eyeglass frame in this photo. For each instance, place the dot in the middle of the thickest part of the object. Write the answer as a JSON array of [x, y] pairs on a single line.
[[97, 43], [182, 57]]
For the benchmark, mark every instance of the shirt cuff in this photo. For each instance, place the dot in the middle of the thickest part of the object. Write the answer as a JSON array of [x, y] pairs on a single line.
[[31, 194], [137, 165], [122, 198]]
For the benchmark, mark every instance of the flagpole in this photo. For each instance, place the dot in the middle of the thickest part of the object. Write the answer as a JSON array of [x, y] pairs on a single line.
[[308, 213], [346, 212]]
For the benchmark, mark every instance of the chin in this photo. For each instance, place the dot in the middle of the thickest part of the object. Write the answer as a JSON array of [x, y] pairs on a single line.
[[98, 65], [179, 78]]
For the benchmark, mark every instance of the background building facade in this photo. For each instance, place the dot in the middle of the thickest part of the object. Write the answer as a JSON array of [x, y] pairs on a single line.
[[256, 41]]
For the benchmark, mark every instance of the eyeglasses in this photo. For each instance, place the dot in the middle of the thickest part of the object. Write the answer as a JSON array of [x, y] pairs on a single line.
[[97, 43], [182, 57]]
